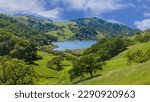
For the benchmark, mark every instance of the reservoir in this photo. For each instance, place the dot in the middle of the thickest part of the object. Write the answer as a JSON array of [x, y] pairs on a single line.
[[73, 45]]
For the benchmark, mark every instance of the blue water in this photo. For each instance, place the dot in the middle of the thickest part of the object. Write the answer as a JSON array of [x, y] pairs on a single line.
[[73, 45]]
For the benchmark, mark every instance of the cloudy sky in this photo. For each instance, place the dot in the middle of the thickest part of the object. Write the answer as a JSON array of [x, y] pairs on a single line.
[[134, 13]]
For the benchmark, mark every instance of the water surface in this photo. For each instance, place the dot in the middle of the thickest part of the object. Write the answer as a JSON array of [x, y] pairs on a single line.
[[74, 45]]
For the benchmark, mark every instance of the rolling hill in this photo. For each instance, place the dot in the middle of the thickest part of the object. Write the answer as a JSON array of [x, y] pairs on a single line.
[[20, 26], [91, 28], [79, 29], [21, 31], [117, 71]]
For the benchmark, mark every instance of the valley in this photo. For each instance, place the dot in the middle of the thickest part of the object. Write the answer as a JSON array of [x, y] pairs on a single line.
[[86, 51]]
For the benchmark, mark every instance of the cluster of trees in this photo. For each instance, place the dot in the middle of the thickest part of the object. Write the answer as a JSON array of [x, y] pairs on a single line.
[[41, 25], [107, 48], [82, 33], [16, 72], [17, 47], [109, 29], [27, 29], [137, 56]]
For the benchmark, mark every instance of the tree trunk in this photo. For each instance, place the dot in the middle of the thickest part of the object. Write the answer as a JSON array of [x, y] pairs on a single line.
[[91, 74]]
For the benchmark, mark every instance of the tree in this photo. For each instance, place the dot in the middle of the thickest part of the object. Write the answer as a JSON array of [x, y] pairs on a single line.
[[86, 64], [55, 63], [16, 72]]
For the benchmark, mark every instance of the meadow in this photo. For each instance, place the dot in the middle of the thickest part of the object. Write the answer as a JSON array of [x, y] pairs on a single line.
[[116, 71]]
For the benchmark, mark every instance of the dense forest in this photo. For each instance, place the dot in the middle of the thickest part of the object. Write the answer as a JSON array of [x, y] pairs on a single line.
[[27, 56]]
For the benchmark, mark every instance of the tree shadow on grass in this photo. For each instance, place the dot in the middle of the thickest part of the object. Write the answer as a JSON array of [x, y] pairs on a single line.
[[50, 77], [33, 63], [87, 79], [56, 69]]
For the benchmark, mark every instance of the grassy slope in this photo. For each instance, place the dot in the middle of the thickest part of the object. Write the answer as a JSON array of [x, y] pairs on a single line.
[[117, 72], [120, 61], [64, 23], [50, 76], [136, 74], [67, 34]]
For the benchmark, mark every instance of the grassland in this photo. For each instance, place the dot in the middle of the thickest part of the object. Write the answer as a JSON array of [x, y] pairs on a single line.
[[50, 76], [136, 74], [64, 23], [116, 71], [62, 34]]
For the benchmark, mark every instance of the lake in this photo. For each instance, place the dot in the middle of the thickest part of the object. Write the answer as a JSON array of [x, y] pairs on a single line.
[[73, 45]]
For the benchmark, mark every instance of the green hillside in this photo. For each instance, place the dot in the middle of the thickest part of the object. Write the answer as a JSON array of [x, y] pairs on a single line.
[[136, 75], [22, 27], [118, 72], [79, 29], [51, 76], [90, 28], [62, 34]]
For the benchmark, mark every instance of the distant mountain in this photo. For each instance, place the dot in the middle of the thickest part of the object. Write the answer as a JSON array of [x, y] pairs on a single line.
[[92, 28], [109, 29], [79, 29]]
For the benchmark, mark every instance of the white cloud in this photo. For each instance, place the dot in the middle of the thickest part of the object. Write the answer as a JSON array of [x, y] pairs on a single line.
[[54, 13], [28, 6], [146, 14], [96, 6], [89, 7], [114, 21], [143, 25]]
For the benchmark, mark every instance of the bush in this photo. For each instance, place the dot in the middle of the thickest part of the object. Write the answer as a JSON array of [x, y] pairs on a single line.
[[138, 56]]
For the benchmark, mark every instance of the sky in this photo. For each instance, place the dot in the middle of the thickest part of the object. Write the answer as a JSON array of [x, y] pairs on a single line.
[[133, 13]]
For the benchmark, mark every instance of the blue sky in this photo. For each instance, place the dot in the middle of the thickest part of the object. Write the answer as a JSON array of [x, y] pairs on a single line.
[[134, 13]]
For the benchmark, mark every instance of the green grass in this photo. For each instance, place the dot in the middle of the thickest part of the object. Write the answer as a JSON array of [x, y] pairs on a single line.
[[118, 72], [50, 76], [65, 35], [120, 61], [100, 35], [64, 23], [132, 75]]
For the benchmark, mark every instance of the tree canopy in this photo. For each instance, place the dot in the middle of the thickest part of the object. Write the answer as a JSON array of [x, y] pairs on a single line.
[[85, 65], [17, 47], [16, 72]]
